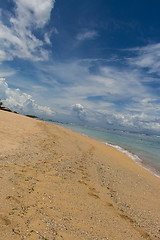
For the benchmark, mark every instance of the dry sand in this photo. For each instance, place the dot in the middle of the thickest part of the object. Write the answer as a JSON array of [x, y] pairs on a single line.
[[57, 184]]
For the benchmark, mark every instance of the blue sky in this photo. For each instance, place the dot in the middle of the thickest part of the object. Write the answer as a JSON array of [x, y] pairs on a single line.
[[90, 62]]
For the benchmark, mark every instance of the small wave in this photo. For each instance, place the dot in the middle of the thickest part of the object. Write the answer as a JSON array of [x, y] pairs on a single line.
[[135, 158], [131, 155]]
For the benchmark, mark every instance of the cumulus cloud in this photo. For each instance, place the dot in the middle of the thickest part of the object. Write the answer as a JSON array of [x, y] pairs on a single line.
[[86, 35], [80, 111], [21, 102], [111, 96], [141, 121], [31, 12], [17, 38]]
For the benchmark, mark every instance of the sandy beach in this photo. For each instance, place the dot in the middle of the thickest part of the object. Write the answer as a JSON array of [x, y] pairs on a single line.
[[57, 184]]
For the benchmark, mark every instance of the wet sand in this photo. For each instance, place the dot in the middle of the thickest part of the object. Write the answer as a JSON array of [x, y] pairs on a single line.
[[57, 184]]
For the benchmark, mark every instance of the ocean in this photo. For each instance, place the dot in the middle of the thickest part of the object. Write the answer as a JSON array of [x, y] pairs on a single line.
[[144, 149]]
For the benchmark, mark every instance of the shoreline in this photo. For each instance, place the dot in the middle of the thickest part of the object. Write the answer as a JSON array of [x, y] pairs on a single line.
[[138, 160], [57, 184]]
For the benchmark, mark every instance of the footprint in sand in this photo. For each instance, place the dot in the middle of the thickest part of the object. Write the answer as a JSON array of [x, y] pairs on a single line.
[[141, 230], [4, 220], [109, 204], [11, 198], [93, 192], [82, 182]]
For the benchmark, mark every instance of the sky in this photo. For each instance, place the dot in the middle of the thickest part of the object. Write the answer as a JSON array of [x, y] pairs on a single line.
[[86, 61]]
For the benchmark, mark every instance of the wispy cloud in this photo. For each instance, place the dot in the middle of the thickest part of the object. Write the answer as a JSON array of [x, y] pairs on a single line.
[[17, 38], [6, 72], [87, 35], [148, 57], [111, 96], [47, 35]]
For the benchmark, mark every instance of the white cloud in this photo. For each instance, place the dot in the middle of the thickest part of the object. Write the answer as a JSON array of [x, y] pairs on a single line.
[[111, 96], [18, 40], [21, 102], [6, 72], [47, 38], [31, 12], [86, 35], [80, 111], [139, 121], [148, 57]]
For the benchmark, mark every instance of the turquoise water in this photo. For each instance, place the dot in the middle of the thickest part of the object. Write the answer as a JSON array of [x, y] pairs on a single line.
[[142, 148]]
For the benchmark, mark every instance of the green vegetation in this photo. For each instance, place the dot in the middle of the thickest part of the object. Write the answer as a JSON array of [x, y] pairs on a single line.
[[5, 108], [1, 103], [31, 116]]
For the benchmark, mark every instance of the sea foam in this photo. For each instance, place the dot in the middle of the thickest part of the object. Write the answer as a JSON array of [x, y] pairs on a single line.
[[135, 158]]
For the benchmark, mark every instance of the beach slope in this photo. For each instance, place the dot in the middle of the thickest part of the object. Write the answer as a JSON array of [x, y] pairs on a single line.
[[57, 184]]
